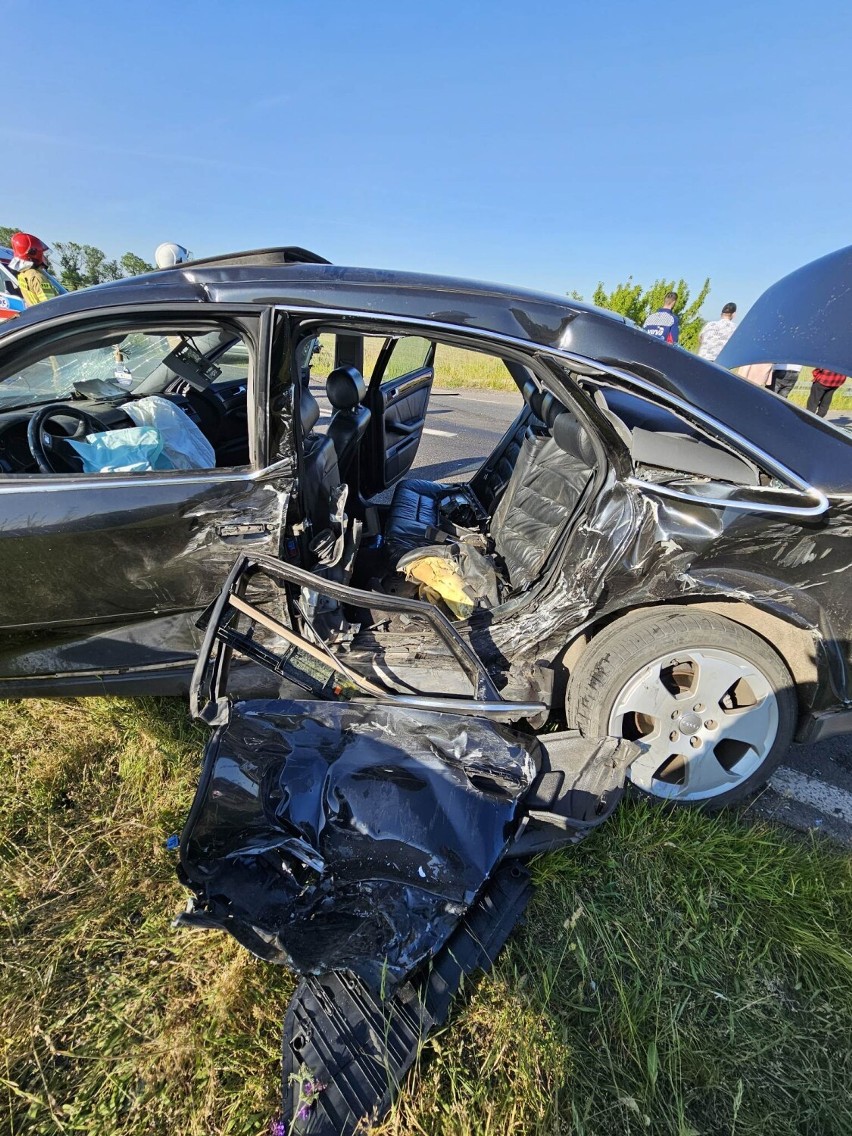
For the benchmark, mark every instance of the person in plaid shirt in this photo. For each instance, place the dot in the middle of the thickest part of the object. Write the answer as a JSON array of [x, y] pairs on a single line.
[[822, 390]]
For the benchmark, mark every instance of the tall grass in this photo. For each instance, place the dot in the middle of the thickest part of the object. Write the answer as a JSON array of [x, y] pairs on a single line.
[[457, 368], [454, 366], [676, 974]]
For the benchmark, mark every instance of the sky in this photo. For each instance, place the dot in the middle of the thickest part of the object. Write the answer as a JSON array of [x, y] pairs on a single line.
[[548, 145]]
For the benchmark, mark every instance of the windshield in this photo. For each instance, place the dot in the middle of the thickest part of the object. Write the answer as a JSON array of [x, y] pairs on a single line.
[[127, 363]]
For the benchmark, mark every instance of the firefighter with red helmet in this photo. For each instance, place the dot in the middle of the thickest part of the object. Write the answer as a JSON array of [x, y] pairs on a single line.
[[31, 266]]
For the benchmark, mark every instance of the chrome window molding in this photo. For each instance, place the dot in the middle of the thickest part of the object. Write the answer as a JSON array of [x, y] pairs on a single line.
[[787, 510], [16, 483]]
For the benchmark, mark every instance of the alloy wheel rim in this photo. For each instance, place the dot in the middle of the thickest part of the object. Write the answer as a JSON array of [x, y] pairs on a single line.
[[706, 719]]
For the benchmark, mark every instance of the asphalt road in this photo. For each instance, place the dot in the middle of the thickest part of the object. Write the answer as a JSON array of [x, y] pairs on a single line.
[[812, 789]]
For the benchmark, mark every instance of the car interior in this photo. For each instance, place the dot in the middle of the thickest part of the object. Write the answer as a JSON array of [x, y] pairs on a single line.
[[86, 406], [493, 536]]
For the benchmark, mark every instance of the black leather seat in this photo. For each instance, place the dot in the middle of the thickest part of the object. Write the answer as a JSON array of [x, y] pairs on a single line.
[[552, 470], [345, 389], [415, 509], [321, 474]]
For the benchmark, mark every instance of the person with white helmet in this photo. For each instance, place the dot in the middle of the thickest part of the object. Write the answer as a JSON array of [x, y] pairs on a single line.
[[169, 254]]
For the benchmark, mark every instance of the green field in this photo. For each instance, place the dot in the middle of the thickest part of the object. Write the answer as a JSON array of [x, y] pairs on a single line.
[[456, 368], [842, 399], [677, 974]]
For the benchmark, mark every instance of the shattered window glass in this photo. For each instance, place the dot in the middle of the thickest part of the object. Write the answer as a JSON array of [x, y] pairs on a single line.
[[124, 360]]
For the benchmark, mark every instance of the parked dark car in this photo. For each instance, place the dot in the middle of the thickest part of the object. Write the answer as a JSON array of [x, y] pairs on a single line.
[[655, 546]]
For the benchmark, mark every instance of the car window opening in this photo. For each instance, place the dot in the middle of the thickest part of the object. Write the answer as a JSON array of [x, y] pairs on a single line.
[[662, 443], [129, 400], [467, 546]]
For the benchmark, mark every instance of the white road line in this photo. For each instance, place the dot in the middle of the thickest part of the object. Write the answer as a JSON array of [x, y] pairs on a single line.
[[507, 399], [439, 433], [812, 791]]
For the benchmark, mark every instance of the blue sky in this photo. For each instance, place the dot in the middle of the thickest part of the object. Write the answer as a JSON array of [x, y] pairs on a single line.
[[544, 144]]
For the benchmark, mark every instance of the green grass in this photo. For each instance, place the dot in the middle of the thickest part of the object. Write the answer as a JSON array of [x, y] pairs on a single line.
[[677, 973], [454, 367]]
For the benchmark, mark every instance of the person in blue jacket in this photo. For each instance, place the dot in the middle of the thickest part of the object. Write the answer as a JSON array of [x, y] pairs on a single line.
[[663, 323]]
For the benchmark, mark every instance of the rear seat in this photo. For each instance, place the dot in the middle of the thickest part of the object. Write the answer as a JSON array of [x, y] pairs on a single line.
[[415, 509], [549, 480], [552, 470]]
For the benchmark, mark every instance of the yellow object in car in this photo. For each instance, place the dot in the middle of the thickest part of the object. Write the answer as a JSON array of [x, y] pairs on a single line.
[[440, 579]]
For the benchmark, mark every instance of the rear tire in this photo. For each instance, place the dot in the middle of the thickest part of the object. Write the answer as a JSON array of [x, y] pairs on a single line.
[[712, 704]]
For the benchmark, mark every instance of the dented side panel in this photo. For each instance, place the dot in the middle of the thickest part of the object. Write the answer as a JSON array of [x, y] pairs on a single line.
[[107, 573], [632, 549]]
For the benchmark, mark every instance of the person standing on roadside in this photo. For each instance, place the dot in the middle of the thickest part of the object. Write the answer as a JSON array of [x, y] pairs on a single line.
[[822, 390], [760, 374], [663, 323], [716, 333], [784, 378], [30, 264]]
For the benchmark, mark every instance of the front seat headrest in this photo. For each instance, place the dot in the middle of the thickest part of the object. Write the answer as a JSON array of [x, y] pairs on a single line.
[[345, 388], [309, 411], [534, 399]]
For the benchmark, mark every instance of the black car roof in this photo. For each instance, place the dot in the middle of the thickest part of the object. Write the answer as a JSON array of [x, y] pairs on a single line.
[[818, 452], [279, 254]]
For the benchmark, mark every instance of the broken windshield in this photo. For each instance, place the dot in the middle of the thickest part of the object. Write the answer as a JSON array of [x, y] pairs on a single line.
[[125, 364]]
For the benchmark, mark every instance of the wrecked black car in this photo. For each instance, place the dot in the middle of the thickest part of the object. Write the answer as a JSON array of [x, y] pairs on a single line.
[[656, 549]]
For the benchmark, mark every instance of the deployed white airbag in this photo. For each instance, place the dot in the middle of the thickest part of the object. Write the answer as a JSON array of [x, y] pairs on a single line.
[[183, 443], [136, 449]]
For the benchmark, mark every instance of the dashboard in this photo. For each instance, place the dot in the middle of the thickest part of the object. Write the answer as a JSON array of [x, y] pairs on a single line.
[[220, 412]]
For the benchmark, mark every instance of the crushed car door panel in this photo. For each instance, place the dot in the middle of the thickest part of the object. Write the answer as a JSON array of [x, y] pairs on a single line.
[[370, 843], [314, 660], [340, 837]]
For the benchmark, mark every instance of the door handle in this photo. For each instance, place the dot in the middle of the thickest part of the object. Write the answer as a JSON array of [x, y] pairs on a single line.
[[242, 531], [406, 428]]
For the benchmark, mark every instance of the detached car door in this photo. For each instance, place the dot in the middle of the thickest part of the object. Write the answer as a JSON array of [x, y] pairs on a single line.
[[398, 398], [104, 574]]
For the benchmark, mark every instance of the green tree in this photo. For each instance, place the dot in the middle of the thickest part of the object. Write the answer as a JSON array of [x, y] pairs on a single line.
[[134, 265], [79, 266], [637, 302], [83, 265]]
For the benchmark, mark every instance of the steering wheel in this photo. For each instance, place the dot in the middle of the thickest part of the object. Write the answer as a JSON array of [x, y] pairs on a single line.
[[50, 450]]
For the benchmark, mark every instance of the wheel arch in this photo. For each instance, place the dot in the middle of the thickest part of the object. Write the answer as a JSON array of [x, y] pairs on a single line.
[[797, 645]]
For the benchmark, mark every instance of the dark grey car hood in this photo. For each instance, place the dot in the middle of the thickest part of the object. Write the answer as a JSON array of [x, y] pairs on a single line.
[[804, 318]]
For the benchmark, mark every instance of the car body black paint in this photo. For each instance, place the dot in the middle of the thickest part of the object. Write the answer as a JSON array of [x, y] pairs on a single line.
[[330, 836], [804, 318], [630, 547]]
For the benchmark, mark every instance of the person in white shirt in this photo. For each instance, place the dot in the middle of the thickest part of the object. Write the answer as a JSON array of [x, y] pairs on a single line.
[[715, 334]]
